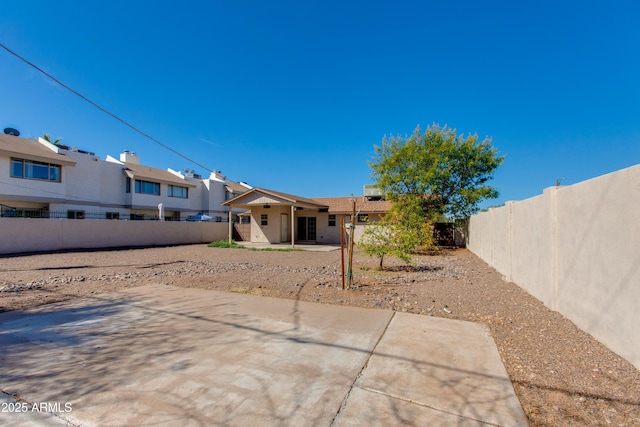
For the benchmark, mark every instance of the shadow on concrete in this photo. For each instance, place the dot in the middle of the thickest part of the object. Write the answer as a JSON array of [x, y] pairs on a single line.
[[128, 360]]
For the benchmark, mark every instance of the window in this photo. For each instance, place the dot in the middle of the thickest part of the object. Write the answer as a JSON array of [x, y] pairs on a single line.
[[147, 187], [113, 215], [75, 214], [363, 218], [16, 168], [264, 219], [35, 170], [54, 173], [176, 191], [332, 220], [228, 195], [128, 185]]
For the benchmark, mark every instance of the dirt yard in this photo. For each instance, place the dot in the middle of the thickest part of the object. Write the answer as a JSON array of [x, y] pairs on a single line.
[[562, 376]]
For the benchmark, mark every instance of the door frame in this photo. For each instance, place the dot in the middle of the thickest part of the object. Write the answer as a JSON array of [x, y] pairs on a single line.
[[306, 236]]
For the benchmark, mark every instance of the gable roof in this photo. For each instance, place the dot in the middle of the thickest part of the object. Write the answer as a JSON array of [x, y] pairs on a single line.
[[257, 196], [363, 205], [31, 149], [136, 171], [235, 187]]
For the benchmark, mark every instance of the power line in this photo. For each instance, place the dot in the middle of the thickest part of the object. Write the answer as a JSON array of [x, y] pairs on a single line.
[[103, 109]]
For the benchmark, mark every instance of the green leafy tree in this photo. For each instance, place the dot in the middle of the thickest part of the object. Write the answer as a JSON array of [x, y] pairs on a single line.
[[404, 229], [448, 173], [377, 241]]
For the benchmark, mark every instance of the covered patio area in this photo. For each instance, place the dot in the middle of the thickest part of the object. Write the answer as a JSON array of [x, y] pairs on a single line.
[[279, 218]]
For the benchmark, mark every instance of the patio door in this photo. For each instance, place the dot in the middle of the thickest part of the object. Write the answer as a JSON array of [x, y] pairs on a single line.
[[306, 228]]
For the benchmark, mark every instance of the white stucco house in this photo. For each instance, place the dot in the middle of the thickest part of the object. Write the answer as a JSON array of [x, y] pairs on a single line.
[[41, 179]]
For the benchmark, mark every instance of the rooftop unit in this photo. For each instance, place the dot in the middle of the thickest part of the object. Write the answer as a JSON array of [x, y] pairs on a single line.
[[372, 192]]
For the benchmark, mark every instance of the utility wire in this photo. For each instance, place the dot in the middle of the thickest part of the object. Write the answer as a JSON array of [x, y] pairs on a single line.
[[103, 109]]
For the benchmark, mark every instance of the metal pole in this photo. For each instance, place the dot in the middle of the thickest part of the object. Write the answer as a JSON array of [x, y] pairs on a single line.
[[230, 224], [293, 212], [351, 239], [342, 248]]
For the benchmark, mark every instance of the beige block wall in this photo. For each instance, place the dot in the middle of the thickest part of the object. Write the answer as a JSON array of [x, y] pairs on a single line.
[[480, 238], [576, 249], [34, 235], [499, 240], [598, 251], [531, 242]]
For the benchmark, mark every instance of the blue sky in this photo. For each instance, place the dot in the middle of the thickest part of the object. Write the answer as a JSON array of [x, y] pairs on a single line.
[[293, 96]]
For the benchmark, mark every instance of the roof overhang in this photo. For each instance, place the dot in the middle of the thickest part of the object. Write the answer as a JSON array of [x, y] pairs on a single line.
[[155, 175], [29, 149], [258, 197]]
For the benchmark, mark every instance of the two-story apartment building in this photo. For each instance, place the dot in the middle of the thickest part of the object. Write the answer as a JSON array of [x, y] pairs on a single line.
[[41, 179]]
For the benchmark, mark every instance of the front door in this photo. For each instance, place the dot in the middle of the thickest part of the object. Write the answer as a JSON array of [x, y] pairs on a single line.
[[306, 228], [284, 227]]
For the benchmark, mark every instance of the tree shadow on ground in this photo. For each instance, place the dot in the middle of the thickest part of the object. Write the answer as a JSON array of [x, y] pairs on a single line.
[[79, 267]]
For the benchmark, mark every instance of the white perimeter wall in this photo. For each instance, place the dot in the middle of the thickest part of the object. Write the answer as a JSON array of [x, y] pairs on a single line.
[[33, 235], [577, 249]]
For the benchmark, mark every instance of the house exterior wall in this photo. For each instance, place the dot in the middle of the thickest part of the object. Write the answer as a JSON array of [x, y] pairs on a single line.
[[269, 233], [199, 197], [328, 234], [325, 234], [574, 248], [331, 234], [260, 199], [112, 185], [140, 201], [212, 195], [83, 182], [34, 188], [216, 197]]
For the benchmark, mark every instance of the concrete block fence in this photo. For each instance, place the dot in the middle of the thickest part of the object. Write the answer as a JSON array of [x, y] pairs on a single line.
[[577, 249], [18, 235]]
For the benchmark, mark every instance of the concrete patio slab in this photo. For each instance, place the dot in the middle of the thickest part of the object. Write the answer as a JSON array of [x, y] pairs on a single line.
[[163, 355], [286, 246], [16, 413], [433, 371]]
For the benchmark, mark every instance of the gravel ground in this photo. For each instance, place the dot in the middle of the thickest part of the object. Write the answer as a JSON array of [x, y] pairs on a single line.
[[562, 375]]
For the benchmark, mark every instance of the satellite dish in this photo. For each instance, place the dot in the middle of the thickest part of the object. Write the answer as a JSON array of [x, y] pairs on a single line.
[[12, 131]]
